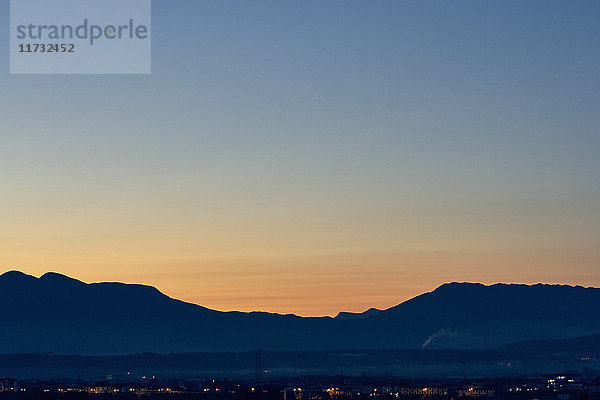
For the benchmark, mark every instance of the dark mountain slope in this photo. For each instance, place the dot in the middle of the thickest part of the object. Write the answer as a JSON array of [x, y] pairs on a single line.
[[63, 315], [470, 315], [350, 315], [582, 347]]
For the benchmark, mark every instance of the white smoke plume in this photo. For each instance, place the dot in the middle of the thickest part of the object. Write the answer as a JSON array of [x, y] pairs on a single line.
[[444, 334]]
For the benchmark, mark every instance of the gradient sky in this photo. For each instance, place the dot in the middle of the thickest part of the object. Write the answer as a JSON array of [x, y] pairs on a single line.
[[315, 156]]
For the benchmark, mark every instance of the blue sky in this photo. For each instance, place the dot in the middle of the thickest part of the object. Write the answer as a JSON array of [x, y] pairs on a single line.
[[355, 151]]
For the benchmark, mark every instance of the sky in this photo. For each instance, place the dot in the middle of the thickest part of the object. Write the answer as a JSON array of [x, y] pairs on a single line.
[[314, 156]]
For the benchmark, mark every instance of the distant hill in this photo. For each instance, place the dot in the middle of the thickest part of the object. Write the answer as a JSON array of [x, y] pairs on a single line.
[[63, 315], [472, 315], [583, 347], [349, 315]]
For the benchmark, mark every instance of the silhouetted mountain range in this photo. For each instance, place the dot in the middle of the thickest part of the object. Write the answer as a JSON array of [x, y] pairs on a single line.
[[63, 315]]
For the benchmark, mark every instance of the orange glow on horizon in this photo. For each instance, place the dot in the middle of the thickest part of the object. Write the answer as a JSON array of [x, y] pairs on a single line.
[[326, 285]]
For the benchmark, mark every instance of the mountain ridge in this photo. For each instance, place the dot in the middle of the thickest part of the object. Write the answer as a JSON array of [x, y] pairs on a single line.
[[57, 313], [367, 313]]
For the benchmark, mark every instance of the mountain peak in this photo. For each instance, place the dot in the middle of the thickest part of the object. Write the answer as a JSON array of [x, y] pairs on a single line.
[[461, 284], [475, 285], [13, 274], [56, 277], [16, 277]]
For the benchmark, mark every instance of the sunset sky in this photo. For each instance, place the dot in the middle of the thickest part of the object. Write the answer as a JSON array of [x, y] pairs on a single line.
[[315, 156]]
